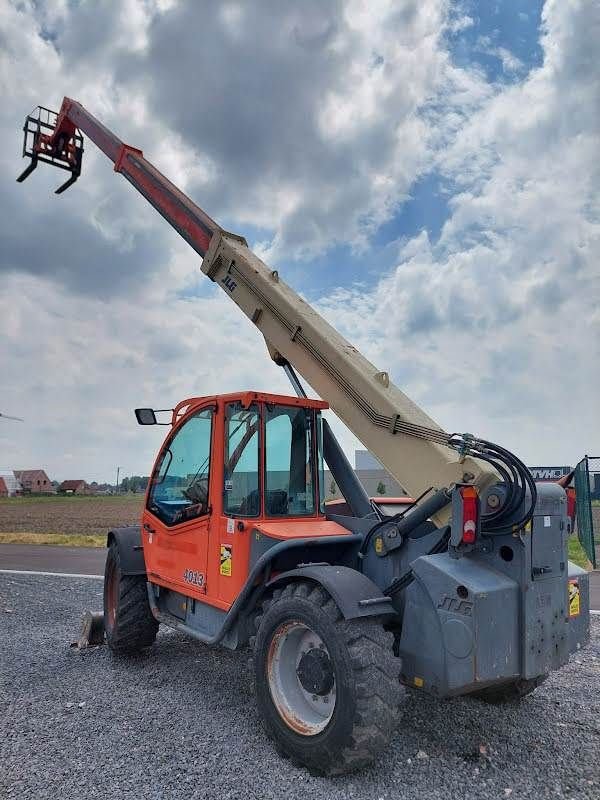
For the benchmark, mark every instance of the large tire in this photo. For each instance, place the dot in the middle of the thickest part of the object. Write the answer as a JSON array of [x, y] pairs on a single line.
[[348, 664], [509, 692], [128, 620]]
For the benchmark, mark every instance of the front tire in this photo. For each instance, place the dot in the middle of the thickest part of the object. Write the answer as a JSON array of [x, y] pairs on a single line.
[[128, 620], [328, 689]]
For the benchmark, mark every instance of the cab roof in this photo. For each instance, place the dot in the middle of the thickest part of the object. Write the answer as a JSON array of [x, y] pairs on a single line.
[[246, 399]]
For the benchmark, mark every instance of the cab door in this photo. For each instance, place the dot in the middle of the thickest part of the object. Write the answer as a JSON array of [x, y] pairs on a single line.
[[241, 497], [177, 514]]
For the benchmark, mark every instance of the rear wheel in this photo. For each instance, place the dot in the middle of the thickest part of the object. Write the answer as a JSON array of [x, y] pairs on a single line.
[[327, 688], [128, 620], [511, 692]]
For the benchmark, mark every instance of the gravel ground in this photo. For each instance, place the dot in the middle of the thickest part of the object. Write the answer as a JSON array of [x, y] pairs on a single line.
[[180, 721]]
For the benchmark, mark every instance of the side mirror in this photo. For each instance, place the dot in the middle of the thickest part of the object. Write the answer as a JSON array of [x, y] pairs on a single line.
[[145, 416]]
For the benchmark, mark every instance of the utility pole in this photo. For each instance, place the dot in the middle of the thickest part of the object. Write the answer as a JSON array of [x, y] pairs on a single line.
[[118, 470]]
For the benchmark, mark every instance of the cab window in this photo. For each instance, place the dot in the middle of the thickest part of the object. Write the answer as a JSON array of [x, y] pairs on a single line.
[[241, 496], [179, 489], [289, 468], [320, 463]]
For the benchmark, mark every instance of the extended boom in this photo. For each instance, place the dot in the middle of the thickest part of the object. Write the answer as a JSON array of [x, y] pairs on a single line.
[[412, 447]]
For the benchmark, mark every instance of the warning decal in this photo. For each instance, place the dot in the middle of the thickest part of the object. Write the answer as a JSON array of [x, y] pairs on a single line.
[[225, 568], [574, 598]]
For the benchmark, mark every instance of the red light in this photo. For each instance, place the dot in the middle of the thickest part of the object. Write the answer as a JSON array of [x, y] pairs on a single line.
[[469, 515]]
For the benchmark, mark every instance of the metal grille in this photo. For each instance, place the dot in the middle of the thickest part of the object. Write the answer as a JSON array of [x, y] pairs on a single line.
[[587, 491]]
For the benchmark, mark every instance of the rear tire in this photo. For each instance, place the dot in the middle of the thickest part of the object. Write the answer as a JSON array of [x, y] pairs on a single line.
[[328, 689], [511, 692], [128, 620]]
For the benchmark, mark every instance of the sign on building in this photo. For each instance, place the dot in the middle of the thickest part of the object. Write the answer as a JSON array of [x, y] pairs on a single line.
[[549, 473]]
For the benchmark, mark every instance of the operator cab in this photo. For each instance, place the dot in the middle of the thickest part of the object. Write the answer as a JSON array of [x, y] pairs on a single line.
[[244, 455]]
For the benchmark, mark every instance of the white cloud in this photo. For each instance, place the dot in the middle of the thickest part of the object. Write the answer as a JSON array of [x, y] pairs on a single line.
[[75, 372], [496, 328], [314, 132]]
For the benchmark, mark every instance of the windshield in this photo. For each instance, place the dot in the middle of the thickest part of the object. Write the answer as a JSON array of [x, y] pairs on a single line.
[[290, 488], [179, 490]]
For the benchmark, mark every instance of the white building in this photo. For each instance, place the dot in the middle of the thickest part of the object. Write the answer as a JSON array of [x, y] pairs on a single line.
[[12, 484]]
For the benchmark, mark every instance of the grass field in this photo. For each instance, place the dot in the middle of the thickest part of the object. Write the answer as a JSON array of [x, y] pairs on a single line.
[[577, 553], [67, 516]]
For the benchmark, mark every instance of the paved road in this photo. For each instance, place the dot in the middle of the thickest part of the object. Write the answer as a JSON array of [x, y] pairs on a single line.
[[90, 561], [595, 590], [47, 558]]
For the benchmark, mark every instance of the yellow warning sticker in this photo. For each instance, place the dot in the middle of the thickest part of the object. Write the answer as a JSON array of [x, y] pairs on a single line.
[[574, 598], [379, 545], [225, 568]]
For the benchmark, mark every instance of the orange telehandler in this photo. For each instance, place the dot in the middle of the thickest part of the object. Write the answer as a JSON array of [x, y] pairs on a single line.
[[466, 590]]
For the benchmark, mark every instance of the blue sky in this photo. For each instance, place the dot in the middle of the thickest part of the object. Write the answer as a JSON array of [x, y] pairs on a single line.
[[493, 28]]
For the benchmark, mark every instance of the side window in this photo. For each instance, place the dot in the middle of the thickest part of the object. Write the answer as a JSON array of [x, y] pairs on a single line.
[[241, 488], [179, 490], [289, 483]]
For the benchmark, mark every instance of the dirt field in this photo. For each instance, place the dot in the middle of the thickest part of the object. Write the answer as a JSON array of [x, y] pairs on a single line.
[[68, 515]]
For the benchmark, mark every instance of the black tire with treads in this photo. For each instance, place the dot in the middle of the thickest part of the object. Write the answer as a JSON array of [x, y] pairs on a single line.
[[366, 676], [128, 620]]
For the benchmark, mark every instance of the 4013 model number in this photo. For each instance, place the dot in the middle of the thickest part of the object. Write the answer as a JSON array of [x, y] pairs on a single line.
[[192, 576]]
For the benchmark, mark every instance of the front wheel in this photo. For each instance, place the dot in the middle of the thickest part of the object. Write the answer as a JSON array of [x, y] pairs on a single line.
[[128, 620], [328, 689]]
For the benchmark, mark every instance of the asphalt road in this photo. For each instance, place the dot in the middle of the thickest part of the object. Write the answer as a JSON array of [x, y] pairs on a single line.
[[90, 561], [180, 720], [48, 558]]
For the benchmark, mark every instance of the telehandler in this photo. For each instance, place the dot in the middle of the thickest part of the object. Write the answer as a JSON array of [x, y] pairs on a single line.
[[466, 590]]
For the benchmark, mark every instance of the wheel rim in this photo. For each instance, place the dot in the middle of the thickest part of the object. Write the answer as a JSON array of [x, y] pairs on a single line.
[[301, 678], [112, 594]]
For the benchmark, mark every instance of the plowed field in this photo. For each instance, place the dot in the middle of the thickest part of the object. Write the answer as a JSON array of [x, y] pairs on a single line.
[[68, 515]]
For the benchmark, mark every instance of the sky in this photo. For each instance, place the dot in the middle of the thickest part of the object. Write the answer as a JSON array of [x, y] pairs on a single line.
[[424, 172]]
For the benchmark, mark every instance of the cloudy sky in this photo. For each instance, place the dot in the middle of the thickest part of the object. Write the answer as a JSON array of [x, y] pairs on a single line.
[[427, 173]]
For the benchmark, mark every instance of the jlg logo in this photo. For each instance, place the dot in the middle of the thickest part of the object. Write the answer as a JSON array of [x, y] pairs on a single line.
[[229, 283]]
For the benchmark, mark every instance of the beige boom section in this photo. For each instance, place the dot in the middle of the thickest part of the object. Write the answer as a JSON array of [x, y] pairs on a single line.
[[360, 394]]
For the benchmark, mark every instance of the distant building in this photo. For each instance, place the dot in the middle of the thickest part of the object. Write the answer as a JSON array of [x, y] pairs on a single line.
[[376, 482], [3, 488], [364, 460], [13, 487], [74, 487], [379, 482], [34, 481], [374, 477]]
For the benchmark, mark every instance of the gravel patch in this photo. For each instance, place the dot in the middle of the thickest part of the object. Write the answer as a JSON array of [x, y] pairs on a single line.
[[180, 721]]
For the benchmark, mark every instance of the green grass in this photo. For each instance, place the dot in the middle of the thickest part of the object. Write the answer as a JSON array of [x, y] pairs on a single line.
[[577, 553], [58, 539]]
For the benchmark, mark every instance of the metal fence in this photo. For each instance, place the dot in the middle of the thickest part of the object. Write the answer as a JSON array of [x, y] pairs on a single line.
[[587, 491]]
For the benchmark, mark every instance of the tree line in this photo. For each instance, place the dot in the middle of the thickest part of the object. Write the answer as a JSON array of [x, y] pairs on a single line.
[[134, 483]]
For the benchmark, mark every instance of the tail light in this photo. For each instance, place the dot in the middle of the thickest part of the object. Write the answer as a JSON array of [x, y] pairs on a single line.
[[469, 513]]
